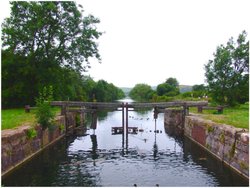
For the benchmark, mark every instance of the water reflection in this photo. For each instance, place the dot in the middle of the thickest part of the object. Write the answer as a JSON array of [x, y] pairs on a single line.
[[154, 155], [94, 148]]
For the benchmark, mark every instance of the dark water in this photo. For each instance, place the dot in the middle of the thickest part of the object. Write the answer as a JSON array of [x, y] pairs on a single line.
[[145, 159]]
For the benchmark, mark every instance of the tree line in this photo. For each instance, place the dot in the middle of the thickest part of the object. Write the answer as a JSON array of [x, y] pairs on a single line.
[[166, 91], [227, 78], [49, 44]]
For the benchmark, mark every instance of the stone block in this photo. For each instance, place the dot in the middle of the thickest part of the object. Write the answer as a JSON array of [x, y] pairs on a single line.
[[244, 137], [173, 117], [53, 134], [199, 134], [39, 131], [35, 145], [6, 161], [230, 144], [17, 155], [27, 149], [242, 147]]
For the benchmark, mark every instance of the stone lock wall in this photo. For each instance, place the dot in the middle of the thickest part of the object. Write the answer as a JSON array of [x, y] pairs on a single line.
[[17, 146], [229, 144], [174, 121]]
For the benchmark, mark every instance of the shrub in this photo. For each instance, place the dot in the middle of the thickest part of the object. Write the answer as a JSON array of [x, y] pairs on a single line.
[[44, 112]]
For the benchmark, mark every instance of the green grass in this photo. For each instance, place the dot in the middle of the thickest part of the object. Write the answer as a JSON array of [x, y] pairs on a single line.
[[12, 118], [235, 116]]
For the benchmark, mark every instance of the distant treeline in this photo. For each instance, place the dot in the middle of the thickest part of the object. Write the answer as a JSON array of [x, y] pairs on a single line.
[[49, 44]]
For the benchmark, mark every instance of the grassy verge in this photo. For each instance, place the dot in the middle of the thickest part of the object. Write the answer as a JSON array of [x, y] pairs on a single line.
[[235, 116], [12, 118]]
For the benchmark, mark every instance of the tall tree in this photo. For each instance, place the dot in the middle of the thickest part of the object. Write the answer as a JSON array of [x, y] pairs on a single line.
[[227, 74], [52, 32], [46, 43]]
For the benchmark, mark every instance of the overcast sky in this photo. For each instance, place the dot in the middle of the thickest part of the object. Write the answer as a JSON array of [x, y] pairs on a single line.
[[148, 41]]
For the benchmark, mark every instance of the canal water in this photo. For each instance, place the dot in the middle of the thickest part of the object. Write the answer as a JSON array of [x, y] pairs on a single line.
[[152, 157]]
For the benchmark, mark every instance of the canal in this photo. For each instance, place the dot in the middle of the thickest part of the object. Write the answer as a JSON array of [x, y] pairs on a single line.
[[152, 157]]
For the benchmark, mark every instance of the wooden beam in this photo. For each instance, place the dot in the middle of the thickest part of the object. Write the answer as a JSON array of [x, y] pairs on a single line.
[[114, 106]]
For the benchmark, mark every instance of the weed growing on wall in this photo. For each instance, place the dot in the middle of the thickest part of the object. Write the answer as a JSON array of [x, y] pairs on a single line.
[[31, 133], [44, 114]]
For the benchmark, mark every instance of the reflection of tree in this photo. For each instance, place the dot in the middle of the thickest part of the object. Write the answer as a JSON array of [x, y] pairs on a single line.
[[102, 115], [94, 147], [143, 111]]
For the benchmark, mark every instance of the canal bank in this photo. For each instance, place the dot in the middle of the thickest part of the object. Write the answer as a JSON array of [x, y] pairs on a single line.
[[21, 144], [99, 158], [229, 144]]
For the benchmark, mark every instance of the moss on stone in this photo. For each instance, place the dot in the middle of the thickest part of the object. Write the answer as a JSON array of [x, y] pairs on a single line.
[[222, 137], [31, 133], [244, 166], [208, 146], [232, 151], [210, 129]]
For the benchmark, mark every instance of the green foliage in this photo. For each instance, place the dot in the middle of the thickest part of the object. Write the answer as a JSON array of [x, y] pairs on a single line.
[[61, 127], [200, 87], [227, 74], [52, 33], [141, 92], [46, 43], [169, 88], [31, 133], [187, 94], [106, 92], [78, 120], [44, 113], [173, 82], [163, 98]]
